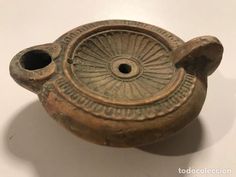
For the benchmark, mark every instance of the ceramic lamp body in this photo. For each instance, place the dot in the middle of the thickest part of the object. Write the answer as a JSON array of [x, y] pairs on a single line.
[[120, 83]]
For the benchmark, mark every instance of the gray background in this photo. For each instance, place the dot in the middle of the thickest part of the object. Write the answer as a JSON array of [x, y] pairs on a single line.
[[33, 145]]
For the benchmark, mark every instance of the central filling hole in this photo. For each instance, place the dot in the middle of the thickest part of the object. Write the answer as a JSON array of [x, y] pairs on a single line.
[[125, 68]]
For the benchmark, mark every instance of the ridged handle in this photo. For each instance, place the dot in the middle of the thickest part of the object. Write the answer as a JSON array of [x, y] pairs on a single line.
[[202, 55], [32, 67]]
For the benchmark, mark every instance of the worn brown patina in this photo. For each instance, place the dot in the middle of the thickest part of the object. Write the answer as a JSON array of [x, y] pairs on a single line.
[[120, 83]]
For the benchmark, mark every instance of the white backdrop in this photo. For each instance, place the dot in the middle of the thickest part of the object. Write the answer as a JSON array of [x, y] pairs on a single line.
[[33, 145]]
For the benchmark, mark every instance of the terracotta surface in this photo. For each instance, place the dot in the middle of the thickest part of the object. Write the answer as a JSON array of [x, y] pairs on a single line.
[[120, 83]]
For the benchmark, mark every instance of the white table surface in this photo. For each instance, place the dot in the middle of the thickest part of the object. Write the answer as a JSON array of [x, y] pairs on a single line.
[[33, 145]]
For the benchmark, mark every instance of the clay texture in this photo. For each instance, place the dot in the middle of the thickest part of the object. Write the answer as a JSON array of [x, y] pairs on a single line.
[[120, 83]]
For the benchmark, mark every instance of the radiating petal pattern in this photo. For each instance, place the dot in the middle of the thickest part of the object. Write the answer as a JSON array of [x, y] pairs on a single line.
[[94, 56]]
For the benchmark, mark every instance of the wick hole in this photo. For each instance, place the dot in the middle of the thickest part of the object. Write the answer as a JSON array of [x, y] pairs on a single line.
[[35, 59], [125, 68]]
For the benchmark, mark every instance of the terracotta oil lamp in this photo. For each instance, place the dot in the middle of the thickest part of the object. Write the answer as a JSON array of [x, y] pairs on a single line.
[[120, 83]]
